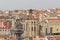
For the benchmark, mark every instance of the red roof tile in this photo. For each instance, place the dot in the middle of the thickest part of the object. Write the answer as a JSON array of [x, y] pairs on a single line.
[[53, 18]]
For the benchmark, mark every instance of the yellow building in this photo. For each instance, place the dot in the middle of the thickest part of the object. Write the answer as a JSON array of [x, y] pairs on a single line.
[[30, 27], [53, 25]]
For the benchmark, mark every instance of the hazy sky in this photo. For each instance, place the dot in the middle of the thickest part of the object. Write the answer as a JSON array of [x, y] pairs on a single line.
[[27, 4]]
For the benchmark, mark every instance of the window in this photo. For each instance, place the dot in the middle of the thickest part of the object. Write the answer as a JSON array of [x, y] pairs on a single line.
[[51, 30], [32, 28], [5, 30], [40, 28], [0, 30], [57, 29], [34, 21]]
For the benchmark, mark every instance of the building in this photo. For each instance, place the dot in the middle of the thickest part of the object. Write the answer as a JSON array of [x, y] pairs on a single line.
[[53, 26]]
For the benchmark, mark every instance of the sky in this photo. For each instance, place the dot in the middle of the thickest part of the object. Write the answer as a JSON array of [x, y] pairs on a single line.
[[28, 4]]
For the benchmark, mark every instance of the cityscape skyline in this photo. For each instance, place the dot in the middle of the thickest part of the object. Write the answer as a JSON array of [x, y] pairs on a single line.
[[29, 4]]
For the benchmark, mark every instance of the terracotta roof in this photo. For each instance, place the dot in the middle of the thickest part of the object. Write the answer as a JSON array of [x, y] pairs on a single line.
[[13, 39], [53, 18], [41, 37], [57, 37], [4, 35]]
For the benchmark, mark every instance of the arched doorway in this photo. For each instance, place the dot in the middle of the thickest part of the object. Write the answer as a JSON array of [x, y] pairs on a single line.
[[51, 30], [40, 29]]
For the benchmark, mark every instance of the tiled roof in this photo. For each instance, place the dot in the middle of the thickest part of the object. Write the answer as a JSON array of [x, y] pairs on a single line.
[[53, 18]]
